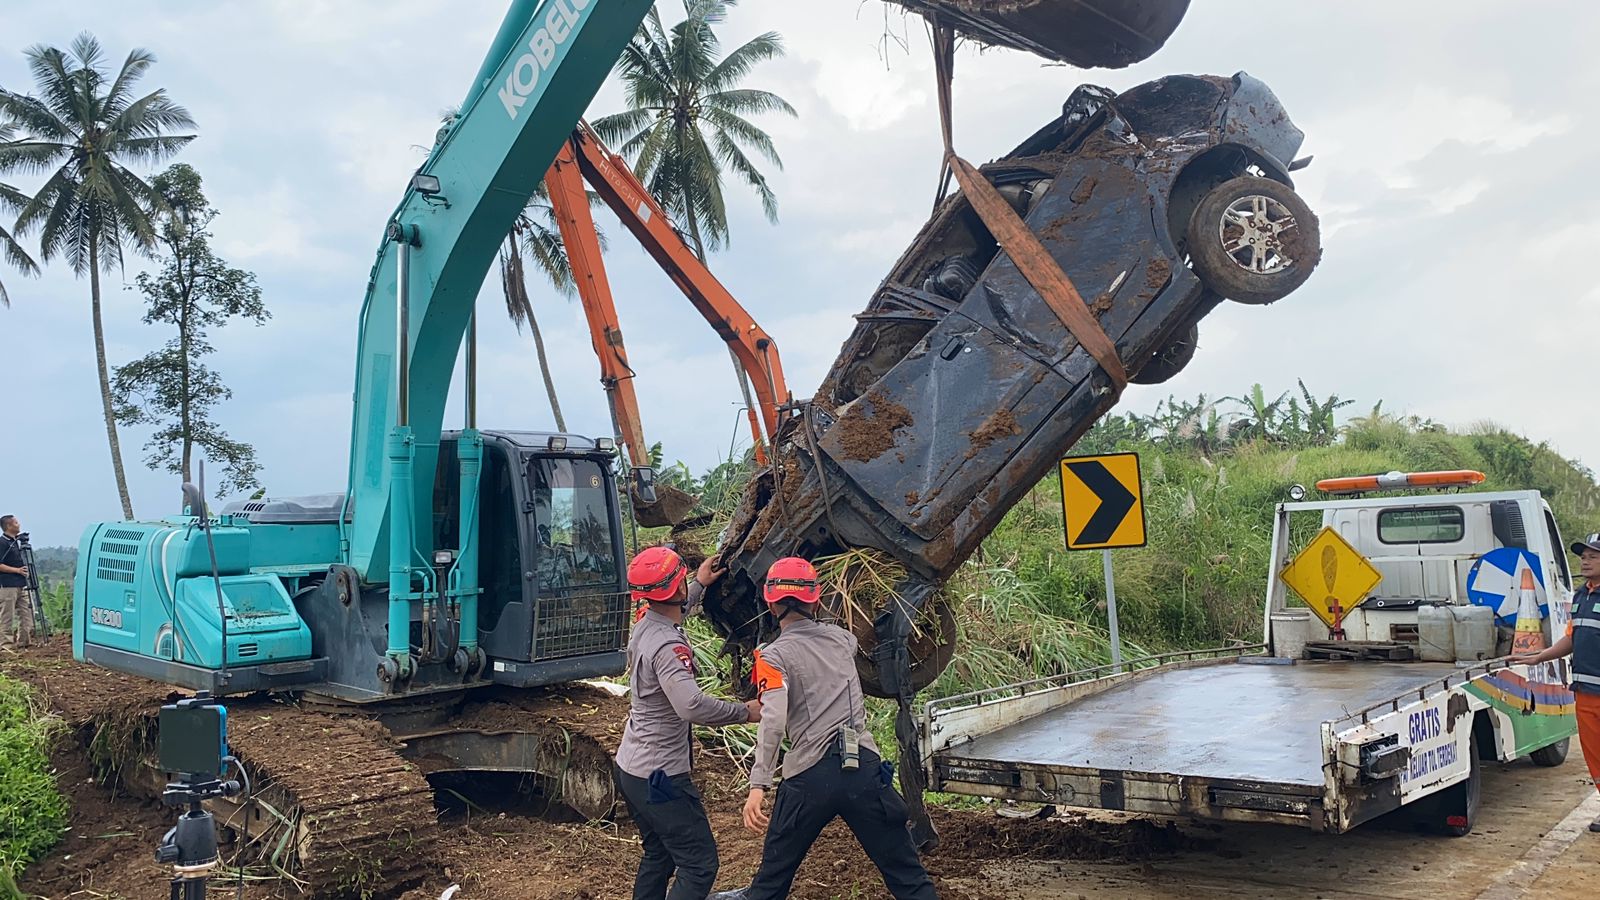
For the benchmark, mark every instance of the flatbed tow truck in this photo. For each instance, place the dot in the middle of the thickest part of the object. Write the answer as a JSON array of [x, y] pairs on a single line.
[[1387, 719]]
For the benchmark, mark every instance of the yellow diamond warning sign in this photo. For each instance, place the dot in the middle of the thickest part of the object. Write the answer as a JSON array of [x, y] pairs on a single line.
[[1331, 576], [1102, 501]]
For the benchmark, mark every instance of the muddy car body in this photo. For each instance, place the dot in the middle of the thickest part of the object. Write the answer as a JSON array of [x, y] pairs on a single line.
[[960, 388]]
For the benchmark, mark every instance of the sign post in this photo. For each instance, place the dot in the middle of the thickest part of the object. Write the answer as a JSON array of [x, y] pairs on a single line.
[[1102, 505], [1111, 612]]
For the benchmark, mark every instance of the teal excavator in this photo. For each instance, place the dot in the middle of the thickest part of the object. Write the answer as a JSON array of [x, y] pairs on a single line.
[[459, 559]]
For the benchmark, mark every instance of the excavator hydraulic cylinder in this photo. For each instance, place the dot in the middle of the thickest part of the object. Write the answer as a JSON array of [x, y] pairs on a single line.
[[469, 449]]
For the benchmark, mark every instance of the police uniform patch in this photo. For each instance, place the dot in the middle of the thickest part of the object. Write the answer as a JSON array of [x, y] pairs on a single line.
[[685, 656]]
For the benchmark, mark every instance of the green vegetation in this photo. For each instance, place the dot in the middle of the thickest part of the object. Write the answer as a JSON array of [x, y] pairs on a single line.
[[83, 130], [33, 814], [172, 390], [687, 122], [1212, 472], [56, 568]]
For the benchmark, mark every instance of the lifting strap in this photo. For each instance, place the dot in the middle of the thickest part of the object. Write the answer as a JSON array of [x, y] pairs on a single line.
[[1013, 235]]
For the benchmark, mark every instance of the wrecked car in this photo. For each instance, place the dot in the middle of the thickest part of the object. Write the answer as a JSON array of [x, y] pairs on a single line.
[[960, 388]]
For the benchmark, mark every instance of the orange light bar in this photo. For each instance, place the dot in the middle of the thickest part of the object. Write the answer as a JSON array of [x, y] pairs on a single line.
[[1397, 480]]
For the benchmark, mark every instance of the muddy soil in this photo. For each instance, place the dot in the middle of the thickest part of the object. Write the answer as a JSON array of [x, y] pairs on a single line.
[[1301, 247], [1084, 190], [1000, 425], [1157, 274], [865, 436], [506, 856], [111, 841]]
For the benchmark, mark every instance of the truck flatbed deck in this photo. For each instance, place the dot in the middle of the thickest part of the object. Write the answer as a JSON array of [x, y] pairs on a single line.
[[1227, 721], [1264, 732]]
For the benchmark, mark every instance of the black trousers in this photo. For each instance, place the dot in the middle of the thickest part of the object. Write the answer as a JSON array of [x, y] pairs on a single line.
[[866, 799], [677, 837]]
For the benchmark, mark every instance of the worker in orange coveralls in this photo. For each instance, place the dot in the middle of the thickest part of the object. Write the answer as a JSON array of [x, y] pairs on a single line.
[[1582, 642]]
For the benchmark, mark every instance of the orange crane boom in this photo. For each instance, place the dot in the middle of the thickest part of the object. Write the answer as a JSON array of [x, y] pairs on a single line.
[[584, 158]]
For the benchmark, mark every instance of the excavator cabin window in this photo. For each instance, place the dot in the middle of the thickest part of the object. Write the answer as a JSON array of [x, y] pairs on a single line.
[[573, 543]]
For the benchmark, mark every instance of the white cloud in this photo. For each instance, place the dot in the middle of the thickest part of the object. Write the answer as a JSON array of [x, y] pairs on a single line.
[[1451, 178], [277, 226]]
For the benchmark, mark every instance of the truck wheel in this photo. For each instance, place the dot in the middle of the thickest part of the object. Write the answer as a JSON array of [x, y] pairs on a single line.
[[1551, 755], [1253, 240], [1170, 360], [1458, 806]]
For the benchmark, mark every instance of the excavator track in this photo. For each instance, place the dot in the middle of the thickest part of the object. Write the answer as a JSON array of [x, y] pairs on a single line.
[[335, 805]]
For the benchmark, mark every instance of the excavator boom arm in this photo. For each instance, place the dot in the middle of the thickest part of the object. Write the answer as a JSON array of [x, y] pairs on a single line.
[[753, 350], [545, 66]]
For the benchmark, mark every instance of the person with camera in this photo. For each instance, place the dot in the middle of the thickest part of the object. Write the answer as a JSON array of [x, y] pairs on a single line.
[[16, 607]]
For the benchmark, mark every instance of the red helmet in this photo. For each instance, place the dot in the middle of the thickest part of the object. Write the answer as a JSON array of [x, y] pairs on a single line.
[[792, 578], [655, 575]]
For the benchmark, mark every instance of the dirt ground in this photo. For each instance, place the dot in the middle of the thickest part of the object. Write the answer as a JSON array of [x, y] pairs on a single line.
[[510, 856], [1527, 844]]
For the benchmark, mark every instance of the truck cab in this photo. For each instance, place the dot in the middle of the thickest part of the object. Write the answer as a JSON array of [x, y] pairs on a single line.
[[1426, 547]]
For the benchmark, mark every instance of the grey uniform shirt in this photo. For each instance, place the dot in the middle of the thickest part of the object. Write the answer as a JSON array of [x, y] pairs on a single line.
[[664, 700], [812, 690]]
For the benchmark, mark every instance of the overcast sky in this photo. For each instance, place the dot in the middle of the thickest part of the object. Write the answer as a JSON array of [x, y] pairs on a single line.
[[1452, 175]]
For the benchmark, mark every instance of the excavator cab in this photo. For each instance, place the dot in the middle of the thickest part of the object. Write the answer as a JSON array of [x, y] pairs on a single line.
[[551, 560]]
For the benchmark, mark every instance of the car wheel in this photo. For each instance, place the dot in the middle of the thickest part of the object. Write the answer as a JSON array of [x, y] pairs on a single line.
[[1169, 360], [1253, 240], [1551, 755], [930, 654]]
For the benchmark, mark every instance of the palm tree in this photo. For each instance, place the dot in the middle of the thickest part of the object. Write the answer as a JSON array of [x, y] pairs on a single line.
[[686, 123], [12, 200], [536, 235], [81, 129]]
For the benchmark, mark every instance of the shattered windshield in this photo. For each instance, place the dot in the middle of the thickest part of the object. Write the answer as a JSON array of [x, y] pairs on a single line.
[[572, 531]]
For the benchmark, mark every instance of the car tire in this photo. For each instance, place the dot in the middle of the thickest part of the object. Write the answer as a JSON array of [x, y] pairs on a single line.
[[1551, 755], [1169, 360], [1253, 240], [931, 655]]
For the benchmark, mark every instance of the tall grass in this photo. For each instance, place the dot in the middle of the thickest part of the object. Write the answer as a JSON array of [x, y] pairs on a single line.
[[33, 814]]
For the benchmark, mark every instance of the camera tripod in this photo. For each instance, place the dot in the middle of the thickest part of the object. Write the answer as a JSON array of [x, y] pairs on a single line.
[[190, 847], [41, 622]]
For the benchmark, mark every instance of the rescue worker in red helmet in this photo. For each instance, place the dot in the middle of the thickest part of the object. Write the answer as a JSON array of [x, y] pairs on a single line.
[[810, 692], [653, 762]]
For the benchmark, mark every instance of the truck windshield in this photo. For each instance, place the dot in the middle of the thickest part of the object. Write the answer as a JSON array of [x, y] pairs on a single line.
[[572, 530]]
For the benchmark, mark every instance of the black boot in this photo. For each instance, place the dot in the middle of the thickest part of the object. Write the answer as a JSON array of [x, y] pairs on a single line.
[[728, 895]]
